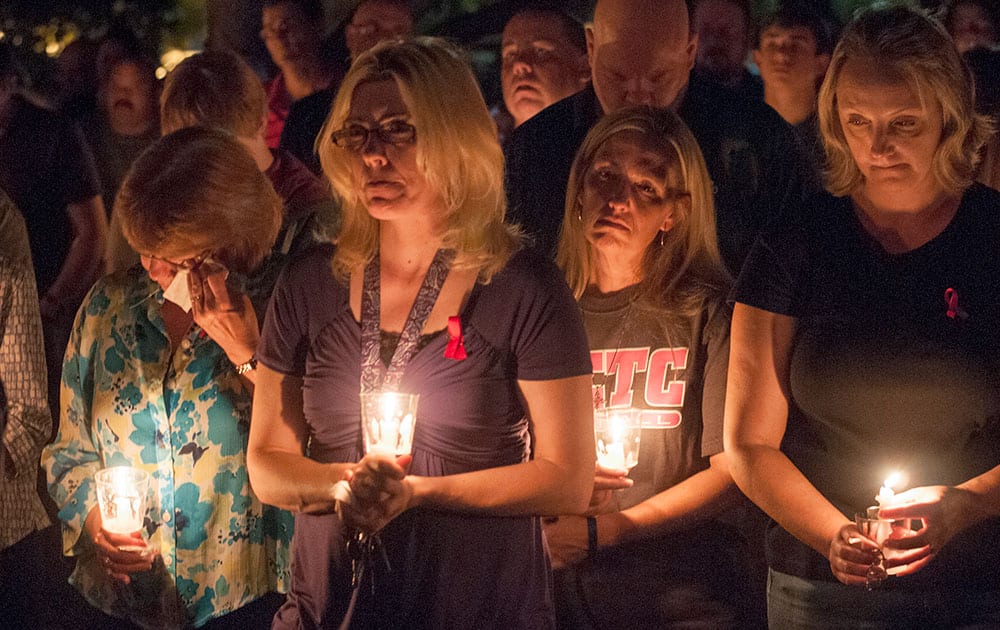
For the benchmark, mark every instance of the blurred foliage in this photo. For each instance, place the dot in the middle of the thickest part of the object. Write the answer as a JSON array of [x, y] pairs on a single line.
[[38, 30]]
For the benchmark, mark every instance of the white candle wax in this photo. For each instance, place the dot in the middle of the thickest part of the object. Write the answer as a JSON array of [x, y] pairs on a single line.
[[614, 456], [390, 434], [884, 496], [125, 520]]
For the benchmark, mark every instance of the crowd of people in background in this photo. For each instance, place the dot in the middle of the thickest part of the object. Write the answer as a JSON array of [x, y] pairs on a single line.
[[771, 238]]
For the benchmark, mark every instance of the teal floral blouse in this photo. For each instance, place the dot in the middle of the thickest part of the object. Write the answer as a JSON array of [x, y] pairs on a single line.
[[183, 418]]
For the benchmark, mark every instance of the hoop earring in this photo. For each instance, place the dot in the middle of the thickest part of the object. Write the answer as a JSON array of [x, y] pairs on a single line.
[[662, 236], [579, 211]]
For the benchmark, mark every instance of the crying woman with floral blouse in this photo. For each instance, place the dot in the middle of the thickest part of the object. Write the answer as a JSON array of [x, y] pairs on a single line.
[[159, 376]]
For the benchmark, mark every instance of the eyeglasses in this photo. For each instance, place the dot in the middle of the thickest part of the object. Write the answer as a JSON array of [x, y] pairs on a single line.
[[187, 264], [355, 137]]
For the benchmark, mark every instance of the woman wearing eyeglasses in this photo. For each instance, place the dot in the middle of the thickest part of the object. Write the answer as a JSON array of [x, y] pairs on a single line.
[[158, 376], [428, 293]]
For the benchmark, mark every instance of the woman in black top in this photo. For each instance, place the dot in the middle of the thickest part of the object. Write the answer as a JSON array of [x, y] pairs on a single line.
[[865, 339]]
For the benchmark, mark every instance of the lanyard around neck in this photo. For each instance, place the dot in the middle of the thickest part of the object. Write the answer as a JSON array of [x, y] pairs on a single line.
[[374, 375]]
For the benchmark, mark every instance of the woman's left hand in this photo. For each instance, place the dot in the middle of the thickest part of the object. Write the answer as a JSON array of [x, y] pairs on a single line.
[[944, 511], [380, 492], [566, 537], [229, 320]]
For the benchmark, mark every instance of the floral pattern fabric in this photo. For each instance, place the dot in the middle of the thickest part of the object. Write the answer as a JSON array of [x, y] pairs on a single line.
[[184, 418]]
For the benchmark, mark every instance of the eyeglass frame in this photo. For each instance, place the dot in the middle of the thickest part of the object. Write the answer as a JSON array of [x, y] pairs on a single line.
[[342, 134], [187, 264]]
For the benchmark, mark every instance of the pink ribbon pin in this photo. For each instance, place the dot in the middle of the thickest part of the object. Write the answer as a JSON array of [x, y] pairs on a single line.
[[954, 310]]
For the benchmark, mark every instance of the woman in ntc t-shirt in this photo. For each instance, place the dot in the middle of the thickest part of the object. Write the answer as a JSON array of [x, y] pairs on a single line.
[[866, 338], [638, 248], [497, 356]]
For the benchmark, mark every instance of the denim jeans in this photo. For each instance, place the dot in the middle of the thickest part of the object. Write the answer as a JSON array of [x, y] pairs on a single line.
[[794, 602]]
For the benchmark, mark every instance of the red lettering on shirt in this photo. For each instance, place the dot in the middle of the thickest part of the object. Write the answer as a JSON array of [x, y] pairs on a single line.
[[659, 392], [625, 363]]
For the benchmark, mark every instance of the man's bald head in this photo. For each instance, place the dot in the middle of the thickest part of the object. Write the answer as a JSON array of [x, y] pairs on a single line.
[[641, 52]]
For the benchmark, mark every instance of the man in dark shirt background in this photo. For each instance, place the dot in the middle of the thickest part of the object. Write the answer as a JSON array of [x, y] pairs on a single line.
[[48, 170], [724, 33], [642, 53]]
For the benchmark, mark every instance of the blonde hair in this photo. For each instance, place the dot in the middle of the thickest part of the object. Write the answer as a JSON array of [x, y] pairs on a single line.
[[215, 88], [907, 41], [456, 150], [687, 268], [199, 188]]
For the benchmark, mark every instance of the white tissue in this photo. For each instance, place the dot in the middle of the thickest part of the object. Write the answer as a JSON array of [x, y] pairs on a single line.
[[178, 291]]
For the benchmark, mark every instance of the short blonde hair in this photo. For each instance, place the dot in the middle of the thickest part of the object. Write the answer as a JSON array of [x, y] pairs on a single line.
[[907, 41], [199, 188], [215, 88], [687, 268], [457, 152]]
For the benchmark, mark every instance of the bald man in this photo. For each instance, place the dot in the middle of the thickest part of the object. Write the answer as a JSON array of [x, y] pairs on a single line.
[[641, 52]]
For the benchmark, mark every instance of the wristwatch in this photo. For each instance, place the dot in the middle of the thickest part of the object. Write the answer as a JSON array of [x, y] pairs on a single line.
[[250, 365]]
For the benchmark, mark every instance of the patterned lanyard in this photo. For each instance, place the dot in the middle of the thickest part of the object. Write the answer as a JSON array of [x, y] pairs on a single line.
[[374, 375]]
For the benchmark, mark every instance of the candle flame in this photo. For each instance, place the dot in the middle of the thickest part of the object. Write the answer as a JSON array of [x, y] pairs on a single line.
[[894, 481]]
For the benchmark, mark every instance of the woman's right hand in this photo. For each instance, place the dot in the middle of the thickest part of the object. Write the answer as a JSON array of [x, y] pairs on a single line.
[[606, 481], [115, 551]]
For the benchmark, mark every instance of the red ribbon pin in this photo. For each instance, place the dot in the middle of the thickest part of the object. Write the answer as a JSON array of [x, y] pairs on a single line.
[[456, 345]]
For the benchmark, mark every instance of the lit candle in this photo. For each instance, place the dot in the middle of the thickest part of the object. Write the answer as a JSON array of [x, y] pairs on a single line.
[[121, 496], [886, 493], [613, 455], [124, 518], [388, 422]]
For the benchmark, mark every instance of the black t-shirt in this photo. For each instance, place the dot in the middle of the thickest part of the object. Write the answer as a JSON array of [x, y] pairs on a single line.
[[45, 164], [304, 122], [882, 375]]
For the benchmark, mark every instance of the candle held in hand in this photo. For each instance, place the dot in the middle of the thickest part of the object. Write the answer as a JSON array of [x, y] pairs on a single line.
[[121, 497], [887, 493], [387, 419], [617, 433]]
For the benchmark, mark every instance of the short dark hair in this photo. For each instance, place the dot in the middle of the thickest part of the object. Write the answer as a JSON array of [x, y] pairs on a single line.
[[403, 4], [117, 52], [988, 9], [800, 15], [200, 188], [742, 5], [312, 9], [571, 27], [215, 88], [8, 67]]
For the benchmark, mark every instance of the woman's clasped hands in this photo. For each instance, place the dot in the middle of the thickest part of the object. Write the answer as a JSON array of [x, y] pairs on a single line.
[[935, 514], [380, 491], [567, 535]]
